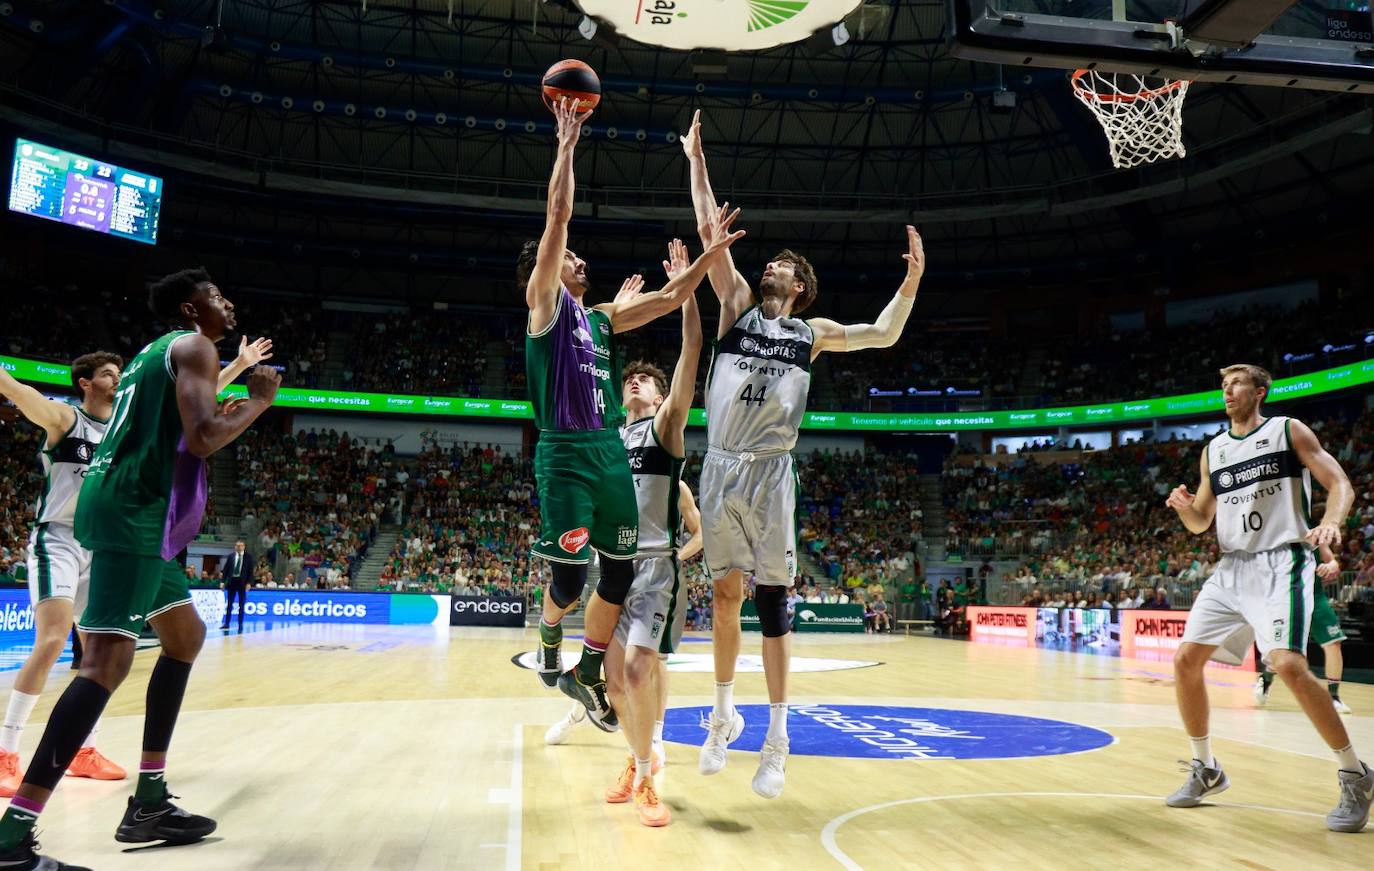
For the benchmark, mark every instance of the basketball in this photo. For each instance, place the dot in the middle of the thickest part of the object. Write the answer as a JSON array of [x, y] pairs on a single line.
[[576, 81]]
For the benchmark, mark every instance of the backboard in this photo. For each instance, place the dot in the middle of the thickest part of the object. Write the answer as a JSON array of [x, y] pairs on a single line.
[[1312, 44]]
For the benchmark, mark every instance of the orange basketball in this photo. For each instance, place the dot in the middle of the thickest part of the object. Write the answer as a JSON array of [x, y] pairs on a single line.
[[576, 81]]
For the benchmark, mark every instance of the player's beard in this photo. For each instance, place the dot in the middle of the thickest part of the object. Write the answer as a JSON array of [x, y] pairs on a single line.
[[773, 296]]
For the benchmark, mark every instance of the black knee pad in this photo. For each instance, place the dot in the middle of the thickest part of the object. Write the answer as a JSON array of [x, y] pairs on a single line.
[[770, 600], [616, 577], [568, 583]]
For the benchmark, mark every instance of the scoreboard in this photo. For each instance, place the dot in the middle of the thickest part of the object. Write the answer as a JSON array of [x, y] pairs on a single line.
[[51, 183]]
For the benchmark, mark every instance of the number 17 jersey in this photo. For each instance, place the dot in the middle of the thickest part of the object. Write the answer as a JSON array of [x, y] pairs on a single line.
[[756, 390], [1262, 489]]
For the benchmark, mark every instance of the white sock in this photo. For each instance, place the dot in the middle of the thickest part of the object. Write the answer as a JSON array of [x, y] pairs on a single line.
[[90, 739], [1202, 750], [658, 731], [16, 717], [777, 721], [1348, 760], [725, 700], [644, 769]]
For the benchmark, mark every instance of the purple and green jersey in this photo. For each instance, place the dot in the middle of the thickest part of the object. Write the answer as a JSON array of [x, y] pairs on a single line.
[[144, 493], [573, 367]]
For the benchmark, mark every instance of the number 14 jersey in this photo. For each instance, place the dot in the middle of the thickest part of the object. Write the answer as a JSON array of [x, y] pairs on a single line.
[[756, 390], [1263, 491]]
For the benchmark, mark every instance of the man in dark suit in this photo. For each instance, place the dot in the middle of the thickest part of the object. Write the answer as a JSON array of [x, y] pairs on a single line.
[[238, 572]]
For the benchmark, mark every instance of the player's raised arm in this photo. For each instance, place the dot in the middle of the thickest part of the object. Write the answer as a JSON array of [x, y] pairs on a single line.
[[53, 417], [646, 307], [672, 414], [691, 519], [541, 293], [1196, 512], [1339, 494], [887, 329], [730, 287], [249, 356], [208, 429]]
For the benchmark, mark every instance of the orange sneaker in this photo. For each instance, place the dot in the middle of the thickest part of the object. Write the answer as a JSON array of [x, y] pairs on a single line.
[[90, 763], [624, 786], [652, 812], [10, 775]]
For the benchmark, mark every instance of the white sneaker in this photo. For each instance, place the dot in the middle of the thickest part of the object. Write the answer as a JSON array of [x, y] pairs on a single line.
[[1261, 695], [660, 756], [559, 732], [768, 780], [719, 735], [1341, 707]]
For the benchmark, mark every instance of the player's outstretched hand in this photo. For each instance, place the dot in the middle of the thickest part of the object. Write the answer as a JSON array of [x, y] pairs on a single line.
[[721, 237], [1325, 533], [263, 382], [1329, 570], [230, 403], [691, 140], [632, 287], [255, 353], [569, 121], [1180, 499], [915, 255], [677, 261]]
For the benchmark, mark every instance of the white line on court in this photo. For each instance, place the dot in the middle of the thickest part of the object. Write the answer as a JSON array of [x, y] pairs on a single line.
[[514, 828], [828, 833]]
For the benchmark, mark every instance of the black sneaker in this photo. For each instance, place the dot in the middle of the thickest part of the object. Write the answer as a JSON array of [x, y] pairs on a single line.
[[160, 821], [550, 664], [593, 698], [24, 857]]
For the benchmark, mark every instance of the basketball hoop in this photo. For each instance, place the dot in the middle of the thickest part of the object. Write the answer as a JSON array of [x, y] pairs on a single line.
[[1143, 123]]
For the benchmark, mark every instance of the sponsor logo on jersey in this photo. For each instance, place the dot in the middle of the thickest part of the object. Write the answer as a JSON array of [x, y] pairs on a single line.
[[582, 335], [1278, 629], [1262, 443], [1226, 479], [627, 536], [574, 540]]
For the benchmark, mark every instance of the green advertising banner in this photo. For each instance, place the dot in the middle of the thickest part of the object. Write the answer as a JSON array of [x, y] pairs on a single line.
[[1207, 402], [810, 617]]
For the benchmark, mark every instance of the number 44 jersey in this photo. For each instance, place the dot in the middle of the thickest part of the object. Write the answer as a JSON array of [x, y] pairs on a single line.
[[1263, 491], [756, 391]]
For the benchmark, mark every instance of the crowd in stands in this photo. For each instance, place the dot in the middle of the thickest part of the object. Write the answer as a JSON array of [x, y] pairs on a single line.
[[19, 487], [413, 353], [316, 499]]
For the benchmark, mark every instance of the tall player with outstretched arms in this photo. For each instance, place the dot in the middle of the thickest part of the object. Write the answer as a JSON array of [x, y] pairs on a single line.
[[586, 493], [1256, 484], [755, 398], [142, 502]]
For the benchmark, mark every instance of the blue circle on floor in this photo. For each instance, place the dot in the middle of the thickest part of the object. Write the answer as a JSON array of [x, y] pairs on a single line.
[[882, 732]]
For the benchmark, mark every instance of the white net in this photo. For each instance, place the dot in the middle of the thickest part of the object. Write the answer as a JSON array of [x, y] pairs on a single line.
[[1143, 122]]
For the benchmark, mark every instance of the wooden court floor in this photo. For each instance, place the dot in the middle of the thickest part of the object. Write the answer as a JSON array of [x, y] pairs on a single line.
[[326, 747]]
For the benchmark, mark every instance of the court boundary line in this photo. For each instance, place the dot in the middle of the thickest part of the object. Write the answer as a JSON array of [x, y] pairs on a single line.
[[515, 807], [839, 855]]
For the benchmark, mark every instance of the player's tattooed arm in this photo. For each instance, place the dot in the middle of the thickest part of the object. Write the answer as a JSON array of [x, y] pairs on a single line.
[[53, 417], [1196, 512], [887, 329]]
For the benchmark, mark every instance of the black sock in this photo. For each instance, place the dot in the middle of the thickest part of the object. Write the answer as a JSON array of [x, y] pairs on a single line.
[[71, 720], [166, 687]]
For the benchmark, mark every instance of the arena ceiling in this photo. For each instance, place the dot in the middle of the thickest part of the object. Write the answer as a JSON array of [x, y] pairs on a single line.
[[410, 135]]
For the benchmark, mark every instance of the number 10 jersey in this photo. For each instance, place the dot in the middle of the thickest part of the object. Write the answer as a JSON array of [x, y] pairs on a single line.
[[1263, 491], [756, 390]]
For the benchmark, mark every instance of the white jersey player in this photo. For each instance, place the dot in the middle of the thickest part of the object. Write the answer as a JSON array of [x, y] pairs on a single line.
[[58, 566], [755, 399], [1256, 484]]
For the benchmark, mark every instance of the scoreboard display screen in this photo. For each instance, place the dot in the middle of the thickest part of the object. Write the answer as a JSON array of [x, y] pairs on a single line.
[[51, 183]]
